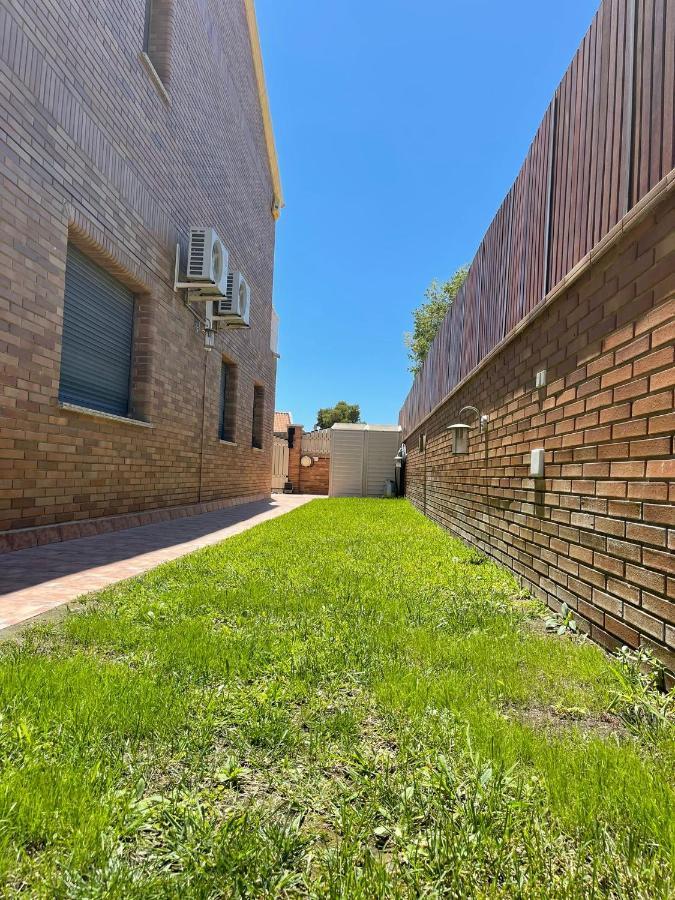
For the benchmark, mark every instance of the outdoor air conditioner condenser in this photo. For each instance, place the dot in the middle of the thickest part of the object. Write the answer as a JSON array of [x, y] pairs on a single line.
[[208, 262], [234, 308]]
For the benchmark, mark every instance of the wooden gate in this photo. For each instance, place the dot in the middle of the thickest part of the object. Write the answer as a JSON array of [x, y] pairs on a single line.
[[279, 464]]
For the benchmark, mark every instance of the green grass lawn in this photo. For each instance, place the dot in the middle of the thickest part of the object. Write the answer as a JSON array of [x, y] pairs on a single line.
[[343, 702]]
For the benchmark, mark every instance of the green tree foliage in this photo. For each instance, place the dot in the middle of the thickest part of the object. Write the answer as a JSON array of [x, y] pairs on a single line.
[[428, 316], [341, 412]]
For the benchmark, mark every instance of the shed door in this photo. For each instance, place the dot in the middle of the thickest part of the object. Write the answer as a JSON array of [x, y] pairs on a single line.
[[346, 464], [381, 448], [98, 318]]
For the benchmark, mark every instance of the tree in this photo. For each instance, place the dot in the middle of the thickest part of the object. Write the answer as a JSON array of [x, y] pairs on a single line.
[[341, 412], [428, 316]]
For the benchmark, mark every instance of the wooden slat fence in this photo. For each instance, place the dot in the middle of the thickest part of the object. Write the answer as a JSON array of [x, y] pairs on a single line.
[[606, 139], [316, 443]]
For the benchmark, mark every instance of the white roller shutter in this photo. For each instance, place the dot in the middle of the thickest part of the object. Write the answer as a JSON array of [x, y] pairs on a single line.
[[346, 463], [381, 448]]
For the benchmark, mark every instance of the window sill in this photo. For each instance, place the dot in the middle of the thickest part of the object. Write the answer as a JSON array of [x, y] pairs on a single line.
[[258, 449], [156, 80], [228, 443], [99, 414]]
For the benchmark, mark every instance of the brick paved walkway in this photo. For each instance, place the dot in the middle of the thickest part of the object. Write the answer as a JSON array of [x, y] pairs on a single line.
[[39, 579]]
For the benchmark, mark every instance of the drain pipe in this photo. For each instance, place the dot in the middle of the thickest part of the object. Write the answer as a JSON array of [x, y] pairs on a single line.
[[399, 471], [209, 343]]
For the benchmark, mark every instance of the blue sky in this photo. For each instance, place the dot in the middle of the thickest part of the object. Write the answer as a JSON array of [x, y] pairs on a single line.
[[400, 126]]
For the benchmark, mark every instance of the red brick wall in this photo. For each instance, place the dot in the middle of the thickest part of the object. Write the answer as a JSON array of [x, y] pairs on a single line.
[[92, 148], [307, 480], [314, 479], [598, 530]]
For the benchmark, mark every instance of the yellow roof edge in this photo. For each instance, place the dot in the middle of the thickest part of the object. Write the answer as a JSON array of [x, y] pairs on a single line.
[[278, 201]]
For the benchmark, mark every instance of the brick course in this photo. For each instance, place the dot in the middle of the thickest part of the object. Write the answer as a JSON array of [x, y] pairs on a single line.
[[96, 151], [597, 531]]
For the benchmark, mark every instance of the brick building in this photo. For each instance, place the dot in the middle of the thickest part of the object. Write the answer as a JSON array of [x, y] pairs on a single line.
[[122, 125]]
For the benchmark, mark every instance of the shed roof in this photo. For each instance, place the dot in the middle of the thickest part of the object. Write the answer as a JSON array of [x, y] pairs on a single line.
[[360, 426]]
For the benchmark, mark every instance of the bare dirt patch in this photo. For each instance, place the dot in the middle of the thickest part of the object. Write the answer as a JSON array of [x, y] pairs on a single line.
[[602, 725]]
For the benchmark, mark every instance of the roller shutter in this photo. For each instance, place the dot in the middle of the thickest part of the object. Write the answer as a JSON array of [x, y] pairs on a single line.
[[362, 459], [98, 318], [381, 448], [346, 463]]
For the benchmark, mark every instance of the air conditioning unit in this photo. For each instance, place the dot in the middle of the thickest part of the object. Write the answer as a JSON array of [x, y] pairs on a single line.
[[208, 261], [234, 308]]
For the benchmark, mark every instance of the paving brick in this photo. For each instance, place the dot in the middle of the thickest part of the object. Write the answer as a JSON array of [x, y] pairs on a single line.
[[41, 578]]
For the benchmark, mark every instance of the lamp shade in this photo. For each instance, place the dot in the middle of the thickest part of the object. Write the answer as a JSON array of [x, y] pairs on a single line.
[[460, 433]]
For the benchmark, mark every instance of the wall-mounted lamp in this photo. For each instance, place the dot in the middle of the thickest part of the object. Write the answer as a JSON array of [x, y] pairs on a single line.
[[460, 430], [460, 437], [540, 379], [209, 335]]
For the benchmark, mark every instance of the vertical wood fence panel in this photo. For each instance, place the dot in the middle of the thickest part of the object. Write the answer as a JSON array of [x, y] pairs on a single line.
[[606, 139]]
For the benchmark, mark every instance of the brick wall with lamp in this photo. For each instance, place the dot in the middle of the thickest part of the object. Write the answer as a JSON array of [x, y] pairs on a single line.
[[597, 530], [562, 336]]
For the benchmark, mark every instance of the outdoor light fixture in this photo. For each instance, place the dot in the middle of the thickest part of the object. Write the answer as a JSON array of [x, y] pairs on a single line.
[[460, 430], [209, 335], [460, 437]]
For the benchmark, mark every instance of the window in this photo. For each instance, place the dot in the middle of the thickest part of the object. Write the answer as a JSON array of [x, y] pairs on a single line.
[[157, 34], [98, 321], [228, 401], [258, 416]]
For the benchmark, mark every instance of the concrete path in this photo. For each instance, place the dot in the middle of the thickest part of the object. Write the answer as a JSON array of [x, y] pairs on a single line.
[[39, 579]]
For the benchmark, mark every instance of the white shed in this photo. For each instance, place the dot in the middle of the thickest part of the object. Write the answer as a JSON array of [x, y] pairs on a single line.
[[362, 459]]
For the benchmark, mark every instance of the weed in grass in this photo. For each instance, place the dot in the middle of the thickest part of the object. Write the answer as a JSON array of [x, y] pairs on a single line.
[[562, 622], [639, 699]]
